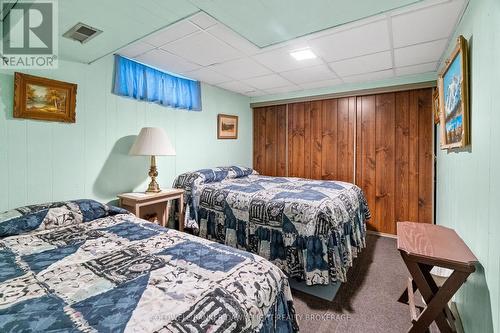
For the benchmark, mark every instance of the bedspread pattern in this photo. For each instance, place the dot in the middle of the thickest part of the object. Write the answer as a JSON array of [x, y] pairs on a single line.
[[311, 229], [83, 267]]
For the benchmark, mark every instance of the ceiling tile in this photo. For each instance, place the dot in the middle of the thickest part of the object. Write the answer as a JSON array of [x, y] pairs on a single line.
[[203, 20], [420, 53], [208, 75], [238, 86], [280, 60], [321, 84], [430, 23], [171, 33], [267, 82], [309, 74], [135, 49], [203, 49], [369, 77], [166, 61], [283, 90], [366, 39], [364, 64], [232, 38], [256, 93], [417, 69], [241, 69]]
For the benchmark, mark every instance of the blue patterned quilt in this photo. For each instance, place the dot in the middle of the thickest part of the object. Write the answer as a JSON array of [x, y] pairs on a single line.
[[81, 266], [311, 229]]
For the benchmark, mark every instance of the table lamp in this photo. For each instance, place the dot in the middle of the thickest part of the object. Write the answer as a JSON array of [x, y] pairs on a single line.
[[152, 141]]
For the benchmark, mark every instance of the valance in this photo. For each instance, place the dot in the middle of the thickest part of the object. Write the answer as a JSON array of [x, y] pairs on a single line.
[[141, 82]]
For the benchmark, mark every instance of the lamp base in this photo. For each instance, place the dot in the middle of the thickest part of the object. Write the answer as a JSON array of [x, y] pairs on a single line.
[[153, 186]]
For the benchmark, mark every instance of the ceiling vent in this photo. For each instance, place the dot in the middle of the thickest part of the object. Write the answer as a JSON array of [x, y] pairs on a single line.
[[82, 33]]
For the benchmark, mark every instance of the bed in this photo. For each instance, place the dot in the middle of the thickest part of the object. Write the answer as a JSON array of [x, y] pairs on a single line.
[[82, 266], [310, 229]]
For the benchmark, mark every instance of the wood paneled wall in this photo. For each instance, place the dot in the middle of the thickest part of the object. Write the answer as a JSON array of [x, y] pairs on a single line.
[[269, 140], [395, 157], [321, 139], [383, 143]]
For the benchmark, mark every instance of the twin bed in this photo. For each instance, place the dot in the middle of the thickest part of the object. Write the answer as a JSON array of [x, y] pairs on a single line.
[[82, 266], [310, 229]]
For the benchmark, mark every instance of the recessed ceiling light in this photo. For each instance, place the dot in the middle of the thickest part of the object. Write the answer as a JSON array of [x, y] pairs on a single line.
[[303, 54]]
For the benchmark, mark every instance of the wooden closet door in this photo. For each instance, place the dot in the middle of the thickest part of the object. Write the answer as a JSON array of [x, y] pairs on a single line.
[[394, 162], [269, 140], [321, 139]]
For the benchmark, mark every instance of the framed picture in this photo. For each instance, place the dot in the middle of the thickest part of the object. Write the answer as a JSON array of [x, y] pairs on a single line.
[[227, 126], [454, 98], [435, 106], [44, 99]]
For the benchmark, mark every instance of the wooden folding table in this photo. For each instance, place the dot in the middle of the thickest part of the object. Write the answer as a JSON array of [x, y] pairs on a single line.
[[423, 246]]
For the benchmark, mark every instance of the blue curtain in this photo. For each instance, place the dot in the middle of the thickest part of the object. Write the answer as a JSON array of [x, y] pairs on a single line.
[[145, 83]]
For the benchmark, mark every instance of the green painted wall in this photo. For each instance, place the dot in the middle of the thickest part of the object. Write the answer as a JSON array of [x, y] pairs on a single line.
[[468, 182], [45, 161]]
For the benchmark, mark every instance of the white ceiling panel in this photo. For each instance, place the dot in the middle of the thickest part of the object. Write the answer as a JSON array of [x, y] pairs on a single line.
[[364, 64], [203, 20], [309, 74], [321, 84], [405, 41], [431, 23], [238, 87], [203, 49], [135, 49], [166, 61], [232, 38], [243, 68], [208, 75], [366, 39], [280, 60], [267, 82], [417, 69], [174, 32], [420, 53], [369, 77], [282, 90]]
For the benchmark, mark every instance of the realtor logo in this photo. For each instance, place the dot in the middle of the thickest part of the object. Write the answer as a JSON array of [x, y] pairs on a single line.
[[29, 34]]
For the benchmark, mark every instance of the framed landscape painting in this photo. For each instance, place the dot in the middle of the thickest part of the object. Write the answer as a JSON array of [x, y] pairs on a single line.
[[44, 99], [227, 126], [454, 98]]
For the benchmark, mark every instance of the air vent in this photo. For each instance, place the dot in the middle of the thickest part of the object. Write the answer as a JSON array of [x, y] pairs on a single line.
[[82, 33]]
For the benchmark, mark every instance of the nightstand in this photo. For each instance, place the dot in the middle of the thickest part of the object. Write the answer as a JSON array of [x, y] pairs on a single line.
[[142, 204]]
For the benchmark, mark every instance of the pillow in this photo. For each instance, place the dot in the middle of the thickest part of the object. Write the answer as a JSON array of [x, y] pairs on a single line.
[[189, 181], [52, 215]]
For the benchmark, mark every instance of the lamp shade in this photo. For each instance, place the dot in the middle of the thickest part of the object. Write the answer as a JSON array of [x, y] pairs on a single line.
[[152, 141]]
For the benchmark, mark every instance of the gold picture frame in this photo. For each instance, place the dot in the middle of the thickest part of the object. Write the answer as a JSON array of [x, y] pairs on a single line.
[[454, 98], [227, 126], [44, 99], [435, 106]]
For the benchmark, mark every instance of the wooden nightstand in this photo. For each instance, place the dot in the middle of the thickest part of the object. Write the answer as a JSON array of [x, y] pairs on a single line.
[[141, 204]]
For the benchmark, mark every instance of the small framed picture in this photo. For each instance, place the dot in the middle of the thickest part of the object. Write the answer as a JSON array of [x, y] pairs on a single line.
[[227, 126], [454, 98], [44, 99]]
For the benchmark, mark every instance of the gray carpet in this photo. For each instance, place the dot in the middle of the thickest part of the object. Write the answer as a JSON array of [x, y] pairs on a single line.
[[368, 301]]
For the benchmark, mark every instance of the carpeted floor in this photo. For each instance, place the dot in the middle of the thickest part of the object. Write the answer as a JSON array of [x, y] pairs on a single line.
[[368, 301]]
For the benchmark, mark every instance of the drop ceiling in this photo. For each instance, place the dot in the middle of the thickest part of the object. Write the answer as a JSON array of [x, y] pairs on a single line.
[[404, 41]]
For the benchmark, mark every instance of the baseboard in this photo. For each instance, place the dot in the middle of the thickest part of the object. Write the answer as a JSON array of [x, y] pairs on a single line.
[[458, 321], [382, 234]]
